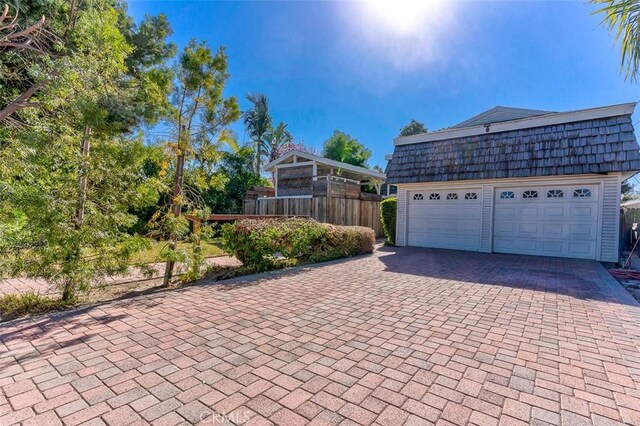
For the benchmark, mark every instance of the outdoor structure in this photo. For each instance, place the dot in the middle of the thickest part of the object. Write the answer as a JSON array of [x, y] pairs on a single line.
[[518, 181], [326, 190]]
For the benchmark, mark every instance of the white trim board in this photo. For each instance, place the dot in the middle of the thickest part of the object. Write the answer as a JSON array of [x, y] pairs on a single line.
[[524, 123], [325, 161], [549, 180], [608, 210]]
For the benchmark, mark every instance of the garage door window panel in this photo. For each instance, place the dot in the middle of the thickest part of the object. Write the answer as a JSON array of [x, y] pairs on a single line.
[[445, 219], [582, 193], [560, 221]]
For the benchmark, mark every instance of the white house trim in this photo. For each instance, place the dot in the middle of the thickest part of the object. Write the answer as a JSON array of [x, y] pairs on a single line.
[[525, 123], [323, 161], [607, 209]]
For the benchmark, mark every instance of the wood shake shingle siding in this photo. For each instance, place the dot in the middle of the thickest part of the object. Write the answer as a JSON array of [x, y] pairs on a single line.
[[584, 147]]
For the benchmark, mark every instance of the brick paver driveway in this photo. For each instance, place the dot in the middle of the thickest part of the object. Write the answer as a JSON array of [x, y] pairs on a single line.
[[406, 336]]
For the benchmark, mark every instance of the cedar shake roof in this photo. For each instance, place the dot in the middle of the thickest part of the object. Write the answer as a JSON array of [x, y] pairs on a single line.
[[598, 145], [499, 114]]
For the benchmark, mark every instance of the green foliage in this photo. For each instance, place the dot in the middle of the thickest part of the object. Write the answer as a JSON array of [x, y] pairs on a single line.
[[257, 121], [627, 189], [14, 306], [41, 199], [77, 35], [265, 244], [236, 174], [623, 18], [275, 139], [342, 147], [388, 211], [198, 124], [413, 128], [54, 227]]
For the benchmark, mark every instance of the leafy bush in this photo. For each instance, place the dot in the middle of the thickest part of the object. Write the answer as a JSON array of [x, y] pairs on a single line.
[[17, 305], [264, 244], [388, 209]]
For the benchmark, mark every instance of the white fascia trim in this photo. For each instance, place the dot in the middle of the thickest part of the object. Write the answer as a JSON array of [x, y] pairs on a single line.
[[322, 160], [548, 180], [524, 123]]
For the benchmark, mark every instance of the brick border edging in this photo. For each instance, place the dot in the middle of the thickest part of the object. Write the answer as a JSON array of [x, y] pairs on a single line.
[[626, 300]]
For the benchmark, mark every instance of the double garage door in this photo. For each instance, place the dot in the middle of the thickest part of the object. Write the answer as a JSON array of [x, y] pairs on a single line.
[[559, 221]]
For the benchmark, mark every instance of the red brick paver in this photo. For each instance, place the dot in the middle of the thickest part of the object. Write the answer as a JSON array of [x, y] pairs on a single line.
[[409, 336]]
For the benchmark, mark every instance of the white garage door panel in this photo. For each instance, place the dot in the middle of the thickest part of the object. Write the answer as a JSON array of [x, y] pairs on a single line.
[[565, 226], [444, 223]]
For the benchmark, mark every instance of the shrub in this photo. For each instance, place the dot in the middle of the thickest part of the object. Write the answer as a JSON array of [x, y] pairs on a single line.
[[17, 305], [265, 244], [388, 209]]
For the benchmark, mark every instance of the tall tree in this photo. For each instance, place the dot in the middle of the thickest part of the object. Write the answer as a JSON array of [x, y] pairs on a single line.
[[70, 175], [623, 18], [257, 121], [201, 113], [28, 49], [413, 128], [342, 147], [275, 139], [627, 190], [237, 176]]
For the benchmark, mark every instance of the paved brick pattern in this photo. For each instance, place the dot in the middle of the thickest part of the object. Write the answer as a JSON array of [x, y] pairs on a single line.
[[409, 336]]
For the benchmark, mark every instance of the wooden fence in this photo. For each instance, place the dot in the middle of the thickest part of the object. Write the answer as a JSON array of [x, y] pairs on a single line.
[[335, 210]]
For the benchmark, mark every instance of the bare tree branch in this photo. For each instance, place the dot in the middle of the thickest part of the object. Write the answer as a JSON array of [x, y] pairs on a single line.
[[36, 42], [21, 101], [5, 13]]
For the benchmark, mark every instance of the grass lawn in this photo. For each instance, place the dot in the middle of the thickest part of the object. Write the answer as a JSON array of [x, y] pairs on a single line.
[[210, 248]]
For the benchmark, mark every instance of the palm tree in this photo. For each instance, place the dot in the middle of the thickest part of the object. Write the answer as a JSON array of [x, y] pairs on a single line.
[[230, 139], [257, 121], [275, 139], [623, 18]]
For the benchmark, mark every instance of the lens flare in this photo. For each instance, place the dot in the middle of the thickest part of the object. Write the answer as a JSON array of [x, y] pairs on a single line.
[[404, 17]]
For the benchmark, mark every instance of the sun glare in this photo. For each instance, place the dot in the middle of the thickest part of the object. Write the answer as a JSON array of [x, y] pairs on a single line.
[[405, 17]]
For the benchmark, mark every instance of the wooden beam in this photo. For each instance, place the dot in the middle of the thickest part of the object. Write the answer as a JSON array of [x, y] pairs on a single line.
[[226, 217]]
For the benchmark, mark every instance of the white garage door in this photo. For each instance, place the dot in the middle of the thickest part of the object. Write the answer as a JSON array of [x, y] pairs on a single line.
[[557, 221], [444, 219]]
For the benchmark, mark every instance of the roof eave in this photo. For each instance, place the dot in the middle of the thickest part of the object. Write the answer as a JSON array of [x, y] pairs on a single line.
[[524, 123], [325, 161]]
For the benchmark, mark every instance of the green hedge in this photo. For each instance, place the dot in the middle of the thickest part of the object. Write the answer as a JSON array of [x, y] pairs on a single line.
[[264, 244], [388, 209]]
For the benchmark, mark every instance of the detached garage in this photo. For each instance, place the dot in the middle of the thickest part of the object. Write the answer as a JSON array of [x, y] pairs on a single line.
[[517, 181]]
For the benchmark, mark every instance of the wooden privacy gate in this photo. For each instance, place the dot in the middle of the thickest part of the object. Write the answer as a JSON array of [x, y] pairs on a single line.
[[335, 210]]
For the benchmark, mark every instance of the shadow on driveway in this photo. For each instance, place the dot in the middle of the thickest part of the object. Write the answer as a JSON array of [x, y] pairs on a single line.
[[583, 279]]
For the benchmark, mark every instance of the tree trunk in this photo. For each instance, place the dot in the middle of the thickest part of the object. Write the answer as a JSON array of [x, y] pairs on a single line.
[[258, 152], [176, 208], [68, 292]]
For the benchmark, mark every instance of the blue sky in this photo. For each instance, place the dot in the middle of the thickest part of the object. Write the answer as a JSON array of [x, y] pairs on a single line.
[[368, 70]]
